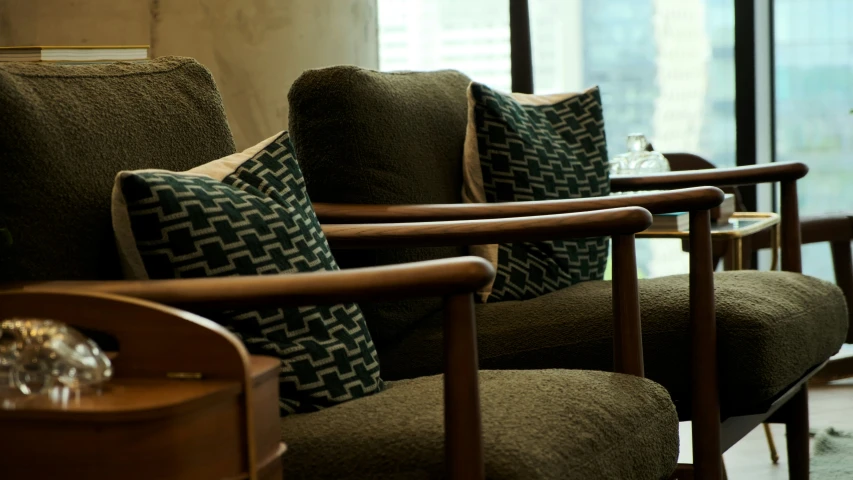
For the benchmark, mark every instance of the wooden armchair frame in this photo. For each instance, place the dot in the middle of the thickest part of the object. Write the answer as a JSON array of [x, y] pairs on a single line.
[[696, 192], [791, 407], [454, 279], [835, 229]]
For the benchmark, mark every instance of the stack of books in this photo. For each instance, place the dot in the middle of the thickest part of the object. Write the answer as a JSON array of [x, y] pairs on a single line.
[[670, 222], [87, 54], [680, 221], [724, 212]]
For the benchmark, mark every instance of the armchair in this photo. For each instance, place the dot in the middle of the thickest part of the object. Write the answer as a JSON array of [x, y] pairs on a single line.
[[59, 158], [836, 229], [455, 279], [733, 349]]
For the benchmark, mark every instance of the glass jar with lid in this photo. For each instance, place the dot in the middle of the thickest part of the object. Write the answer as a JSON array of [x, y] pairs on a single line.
[[637, 160]]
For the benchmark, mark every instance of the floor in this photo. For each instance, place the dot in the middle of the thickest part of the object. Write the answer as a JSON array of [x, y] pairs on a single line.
[[829, 406]]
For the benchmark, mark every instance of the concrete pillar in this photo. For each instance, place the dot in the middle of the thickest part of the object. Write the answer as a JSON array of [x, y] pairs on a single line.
[[255, 48]]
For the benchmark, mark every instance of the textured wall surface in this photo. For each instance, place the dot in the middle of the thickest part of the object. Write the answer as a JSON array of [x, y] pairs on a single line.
[[73, 22], [255, 48]]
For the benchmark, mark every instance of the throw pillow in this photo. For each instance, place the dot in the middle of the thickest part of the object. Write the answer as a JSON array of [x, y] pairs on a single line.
[[529, 147], [249, 214]]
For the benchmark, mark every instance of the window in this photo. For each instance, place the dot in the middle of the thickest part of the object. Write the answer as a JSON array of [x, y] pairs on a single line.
[[471, 36], [665, 67], [813, 73]]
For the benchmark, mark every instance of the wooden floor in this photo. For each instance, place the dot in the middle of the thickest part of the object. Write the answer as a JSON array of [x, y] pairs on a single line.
[[829, 406]]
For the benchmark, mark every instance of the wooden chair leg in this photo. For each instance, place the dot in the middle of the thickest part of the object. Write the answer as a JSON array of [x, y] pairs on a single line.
[[842, 263], [774, 455], [685, 472], [797, 430], [682, 472]]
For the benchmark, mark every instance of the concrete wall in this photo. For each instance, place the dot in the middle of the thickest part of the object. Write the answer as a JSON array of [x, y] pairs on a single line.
[[73, 22], [255, 48]]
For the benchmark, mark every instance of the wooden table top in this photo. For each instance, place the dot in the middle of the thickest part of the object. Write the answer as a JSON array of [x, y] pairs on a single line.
[[123, 399]]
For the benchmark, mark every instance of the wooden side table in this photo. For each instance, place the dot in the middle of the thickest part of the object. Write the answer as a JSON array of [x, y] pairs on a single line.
[[739, 226], [186, 401]]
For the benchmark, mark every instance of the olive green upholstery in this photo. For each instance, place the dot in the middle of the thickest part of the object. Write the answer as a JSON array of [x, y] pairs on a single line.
[[336, 116], [548, 424], [66, 130], [773, 327]]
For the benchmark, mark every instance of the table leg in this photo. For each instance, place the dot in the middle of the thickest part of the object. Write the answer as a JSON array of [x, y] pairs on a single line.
[[774, 265], [774, 455], [774, 247], [736, 252]]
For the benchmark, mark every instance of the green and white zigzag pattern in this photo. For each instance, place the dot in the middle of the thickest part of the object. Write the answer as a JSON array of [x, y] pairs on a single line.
[[542, 152], [258, 220]]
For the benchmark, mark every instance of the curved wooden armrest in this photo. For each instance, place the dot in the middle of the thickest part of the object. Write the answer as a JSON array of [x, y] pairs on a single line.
[[617, 221], [689, 199], [718, 177], [452, 276]]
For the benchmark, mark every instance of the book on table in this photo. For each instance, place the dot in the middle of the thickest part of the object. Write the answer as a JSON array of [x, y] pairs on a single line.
[[680, 221], [724, 211], [74, 53], [670, 222]]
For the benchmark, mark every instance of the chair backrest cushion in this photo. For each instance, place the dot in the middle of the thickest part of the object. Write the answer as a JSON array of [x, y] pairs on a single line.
[[66, 130], [367, 137]]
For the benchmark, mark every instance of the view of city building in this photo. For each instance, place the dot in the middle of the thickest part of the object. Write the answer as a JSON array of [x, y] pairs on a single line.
[[814, 98], [665, 68]]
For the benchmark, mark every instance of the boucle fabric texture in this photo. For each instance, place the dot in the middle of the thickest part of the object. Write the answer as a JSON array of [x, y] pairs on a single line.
[[66, 130], [772, 327], [548, 424], [368, 137]]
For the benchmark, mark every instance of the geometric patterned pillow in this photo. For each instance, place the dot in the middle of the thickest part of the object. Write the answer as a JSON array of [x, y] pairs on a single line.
[[249, 214], [532, 147]]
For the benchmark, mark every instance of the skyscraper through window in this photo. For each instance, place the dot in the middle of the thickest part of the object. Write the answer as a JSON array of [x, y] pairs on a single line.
[[665, 68]]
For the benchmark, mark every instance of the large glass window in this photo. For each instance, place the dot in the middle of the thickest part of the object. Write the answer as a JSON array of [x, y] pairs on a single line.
[[471, 36], [664, 67], [814, 95]]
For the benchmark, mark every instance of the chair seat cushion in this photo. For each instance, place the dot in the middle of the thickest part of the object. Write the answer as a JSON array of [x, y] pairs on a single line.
[[772, 327], [560, 424]]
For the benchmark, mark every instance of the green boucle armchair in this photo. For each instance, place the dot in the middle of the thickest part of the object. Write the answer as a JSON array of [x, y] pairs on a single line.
[[65, 132], [733, 349]]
